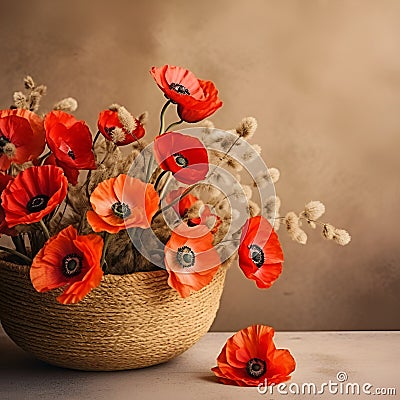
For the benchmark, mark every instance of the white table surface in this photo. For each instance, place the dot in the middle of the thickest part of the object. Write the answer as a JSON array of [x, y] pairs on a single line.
[[366, 357]]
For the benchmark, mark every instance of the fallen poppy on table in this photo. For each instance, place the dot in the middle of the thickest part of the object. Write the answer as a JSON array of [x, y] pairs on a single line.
[[250, 358], [71, 261], [196, 99]]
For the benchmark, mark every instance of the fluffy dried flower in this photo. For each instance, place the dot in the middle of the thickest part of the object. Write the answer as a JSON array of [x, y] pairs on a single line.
[[341, 237], [274, 174], [126, 119], [272, 206], [118, 135], [41, 89], [293, 227], [69, 104], [253, 208], [247, 127], [34, 100], [262, 179], [229, 141], [29, 83], [314, 210], [20, 100]]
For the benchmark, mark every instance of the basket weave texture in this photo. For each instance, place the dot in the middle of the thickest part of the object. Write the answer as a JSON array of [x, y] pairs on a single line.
[[129, 321]]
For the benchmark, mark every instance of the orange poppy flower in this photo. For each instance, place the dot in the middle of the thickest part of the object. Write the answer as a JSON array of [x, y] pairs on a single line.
[[70, 141], [22, 137], [249, 358], [108, 121], [260, 253], [191, 262], [121, 203], [196, 99], [71, 261], [33, 194]]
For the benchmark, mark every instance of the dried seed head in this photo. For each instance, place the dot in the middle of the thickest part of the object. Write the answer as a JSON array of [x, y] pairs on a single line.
[[114, 107], [117, 135], [253, 209], [34, 100], [314, 210], [299, 236], [292, 221], [29, 83], [69, 104], [341, 237], [208, 126], [247, 127], [126, 119], [247, 191], [20, 100], [41, 89], [274, 174], [272, 206], [262, 179], [9, 150]]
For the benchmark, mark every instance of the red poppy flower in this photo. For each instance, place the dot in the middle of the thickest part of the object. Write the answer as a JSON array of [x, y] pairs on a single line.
[[22, 137], [4, 229], [71, 261], [260, 253], [33, 194], [182, 206], [249, 358], [185, 156], [72, 174], [191, 263], [121, 203], [108, 121], [196, 99], [70, 141]]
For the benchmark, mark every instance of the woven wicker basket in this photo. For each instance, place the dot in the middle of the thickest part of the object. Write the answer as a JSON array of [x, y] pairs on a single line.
[[129, 321]]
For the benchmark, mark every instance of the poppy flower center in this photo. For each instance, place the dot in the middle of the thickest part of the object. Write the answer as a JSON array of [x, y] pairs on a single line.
[[71, 265], [180, 160], [256, 255], [178, 88], [37, 203], [71, 154], [3, 141], [121, 210], [185, 257], [256, 367]]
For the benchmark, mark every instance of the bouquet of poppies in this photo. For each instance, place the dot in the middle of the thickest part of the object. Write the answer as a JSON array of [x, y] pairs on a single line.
[[77, 206]]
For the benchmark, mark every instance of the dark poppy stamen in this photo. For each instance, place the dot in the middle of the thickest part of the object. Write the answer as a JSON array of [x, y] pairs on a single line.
[[179, 88], [185, 257], [180, 160], [256, 367], [3, 141], [121, 210], [257, 255], [37, 203], [71, 154], [71, 265]]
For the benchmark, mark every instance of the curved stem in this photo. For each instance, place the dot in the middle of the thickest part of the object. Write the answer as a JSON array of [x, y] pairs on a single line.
[[162, 114], [173, 124], [95, 139], [158, 180], [44, 229], [16, 253]]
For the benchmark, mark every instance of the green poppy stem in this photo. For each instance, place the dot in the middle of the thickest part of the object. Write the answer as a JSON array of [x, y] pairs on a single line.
[[16, 253], [44, 229], [173, 124], [162, 115]]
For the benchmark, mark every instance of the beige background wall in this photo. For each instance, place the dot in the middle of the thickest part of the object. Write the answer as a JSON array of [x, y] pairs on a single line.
[[321, 77]]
